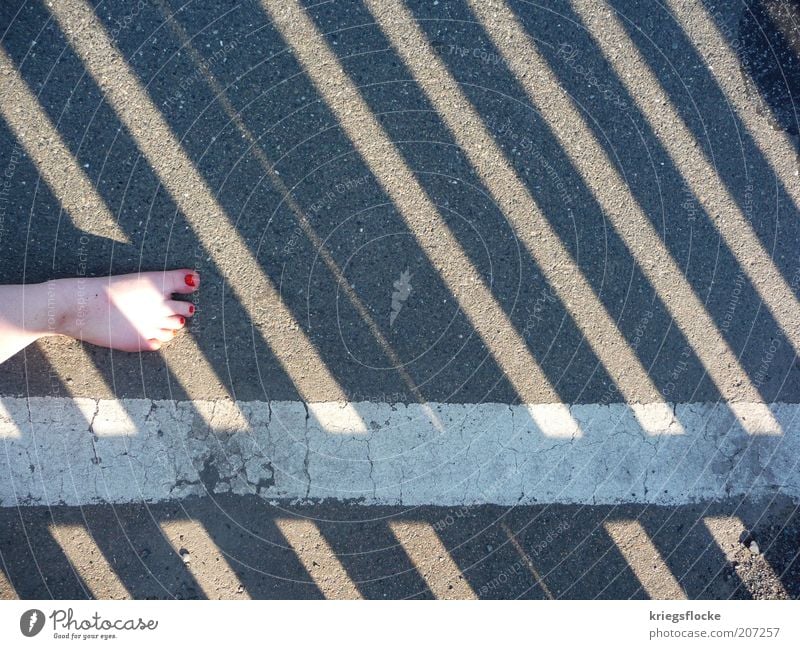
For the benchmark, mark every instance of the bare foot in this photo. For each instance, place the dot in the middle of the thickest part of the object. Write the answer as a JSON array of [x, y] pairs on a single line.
[[132, 313]]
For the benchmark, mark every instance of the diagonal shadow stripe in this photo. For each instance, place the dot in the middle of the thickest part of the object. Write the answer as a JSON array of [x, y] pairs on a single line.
[[611, 191], [318, 558], [445, 253], [298, 212], [714, 41], [253, 288], [529, 223], [89, 562], [699, 174]]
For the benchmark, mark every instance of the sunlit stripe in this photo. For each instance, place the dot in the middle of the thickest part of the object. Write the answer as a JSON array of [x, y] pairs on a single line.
[[203, 559], [431, 559], [728, 533], [305, 223], [73, 189], [530, 224], [46, 149], [554, 420], [384, 160], [106, 417], [89, 562], [689, 158], [8, 427], [644, 559], [7, 590], [77, 376], [211, 224], [527, 561], [616, 199], [318, 558], [729, 73]]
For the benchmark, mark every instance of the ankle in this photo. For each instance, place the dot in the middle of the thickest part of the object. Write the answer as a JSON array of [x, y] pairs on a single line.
[[49, 309]]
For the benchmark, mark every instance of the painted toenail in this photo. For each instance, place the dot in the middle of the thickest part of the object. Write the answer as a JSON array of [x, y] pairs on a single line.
[[190, 281], [182, 320], [191, 309]]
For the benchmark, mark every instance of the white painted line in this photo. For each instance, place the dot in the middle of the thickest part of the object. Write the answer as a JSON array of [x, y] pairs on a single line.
[[485, 453]]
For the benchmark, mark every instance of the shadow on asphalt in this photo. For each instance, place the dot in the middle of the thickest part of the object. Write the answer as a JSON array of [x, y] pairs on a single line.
[[360, 226], [558, 551]]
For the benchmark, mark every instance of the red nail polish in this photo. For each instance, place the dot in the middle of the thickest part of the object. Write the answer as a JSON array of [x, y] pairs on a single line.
[[191, 309], [189, 279], [182, 320]]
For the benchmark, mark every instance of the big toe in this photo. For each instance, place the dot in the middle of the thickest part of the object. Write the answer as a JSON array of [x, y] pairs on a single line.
[[184, 280]]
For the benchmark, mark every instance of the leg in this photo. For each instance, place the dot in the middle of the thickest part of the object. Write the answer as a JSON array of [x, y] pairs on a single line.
[[132, 313]]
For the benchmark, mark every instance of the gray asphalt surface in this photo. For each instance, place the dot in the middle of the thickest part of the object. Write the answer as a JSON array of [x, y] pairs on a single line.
[[370, 242], [556, 552]]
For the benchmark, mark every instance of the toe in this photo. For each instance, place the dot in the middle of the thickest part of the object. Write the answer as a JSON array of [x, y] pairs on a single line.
[[173, 322], [152, 344], [178, 308], [184, 280], [165, 335]]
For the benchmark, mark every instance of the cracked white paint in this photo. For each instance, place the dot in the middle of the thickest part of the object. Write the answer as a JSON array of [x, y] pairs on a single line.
[[80, 451]]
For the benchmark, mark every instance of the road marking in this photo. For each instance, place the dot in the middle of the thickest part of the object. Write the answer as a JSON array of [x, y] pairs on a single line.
[[644, 559], [203, 559], [431, 559], [318, 558], [89, 561], [487, 453]]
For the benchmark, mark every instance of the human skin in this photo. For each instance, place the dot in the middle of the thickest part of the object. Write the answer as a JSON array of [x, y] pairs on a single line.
[[131, 313]]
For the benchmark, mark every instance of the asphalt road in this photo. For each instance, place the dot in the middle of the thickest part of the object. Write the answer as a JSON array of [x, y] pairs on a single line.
[[376, 297]]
